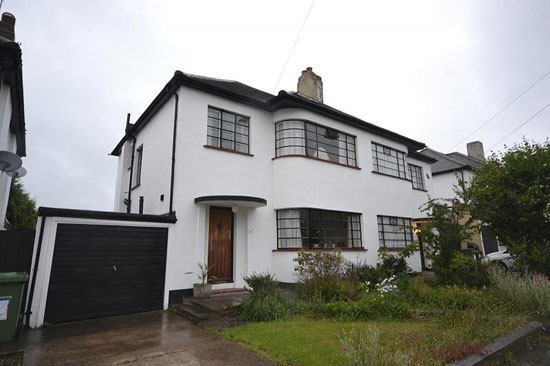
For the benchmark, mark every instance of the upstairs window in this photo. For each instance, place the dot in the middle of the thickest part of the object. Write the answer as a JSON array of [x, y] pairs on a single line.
[[394, 232], [309, 139], [388, 161], [416, 176], [227, 130], [313, 228], [137, 166]]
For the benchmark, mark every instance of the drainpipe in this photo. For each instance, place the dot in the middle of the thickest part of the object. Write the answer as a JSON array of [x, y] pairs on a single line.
[[28, 312], [171, 207], [129, 205]]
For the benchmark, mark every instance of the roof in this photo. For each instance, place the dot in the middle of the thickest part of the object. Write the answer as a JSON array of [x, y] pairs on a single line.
[[11, 67], [245, 94], [450, 162], [104, 215]]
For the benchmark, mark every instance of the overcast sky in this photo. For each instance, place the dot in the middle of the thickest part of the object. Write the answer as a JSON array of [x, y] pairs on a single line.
[[432, 71]]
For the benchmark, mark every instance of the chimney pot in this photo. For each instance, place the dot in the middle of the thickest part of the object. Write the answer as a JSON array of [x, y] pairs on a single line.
[[7, 26], [8, 18], [475, 150], [310, 85]]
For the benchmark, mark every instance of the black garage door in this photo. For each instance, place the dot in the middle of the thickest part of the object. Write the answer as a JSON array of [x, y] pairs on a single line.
[[102, 270]]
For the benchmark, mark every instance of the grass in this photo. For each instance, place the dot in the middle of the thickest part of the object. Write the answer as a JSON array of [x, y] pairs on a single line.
[[428, 342]]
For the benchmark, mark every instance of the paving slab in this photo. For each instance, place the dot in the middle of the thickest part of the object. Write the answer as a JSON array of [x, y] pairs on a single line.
[[145, 339]]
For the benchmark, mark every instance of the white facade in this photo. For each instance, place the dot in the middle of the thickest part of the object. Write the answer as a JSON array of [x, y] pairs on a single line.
[[444, 184], [7, 143], [285, 182]]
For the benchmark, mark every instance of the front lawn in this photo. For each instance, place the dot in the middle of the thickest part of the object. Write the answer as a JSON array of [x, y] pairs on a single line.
[[303, 342]]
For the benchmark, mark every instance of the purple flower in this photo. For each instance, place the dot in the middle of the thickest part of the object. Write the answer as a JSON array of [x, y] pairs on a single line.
[[349, 300], [544, 328]]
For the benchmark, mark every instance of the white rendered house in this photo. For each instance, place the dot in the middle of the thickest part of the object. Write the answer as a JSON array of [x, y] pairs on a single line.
[[12, 116], [253, 178]]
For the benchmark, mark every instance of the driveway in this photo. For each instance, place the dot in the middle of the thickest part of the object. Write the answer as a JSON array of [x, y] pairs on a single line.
[[153, 338]]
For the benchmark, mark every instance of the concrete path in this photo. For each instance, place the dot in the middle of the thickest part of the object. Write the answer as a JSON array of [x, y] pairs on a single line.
[[145, 339]]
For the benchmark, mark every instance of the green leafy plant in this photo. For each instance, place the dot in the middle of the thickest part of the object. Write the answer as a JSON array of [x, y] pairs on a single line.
[[530, 292], [204, 273], [265, 302], [322, 274], [21, 212], [260, 284], [510, 193], [364, 348], [450, 224]]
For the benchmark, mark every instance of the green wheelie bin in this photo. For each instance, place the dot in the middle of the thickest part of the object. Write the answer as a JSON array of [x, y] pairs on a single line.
[[11, 295]]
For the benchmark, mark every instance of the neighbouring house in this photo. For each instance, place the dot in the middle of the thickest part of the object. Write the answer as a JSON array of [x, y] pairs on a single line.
[[12, 116], [254, 178], [447, 171]]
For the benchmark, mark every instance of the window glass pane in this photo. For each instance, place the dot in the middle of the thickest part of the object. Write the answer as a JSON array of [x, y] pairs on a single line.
[[230, 117], [213, 141], [214, 113], [227, 144], [242, 120], [241, 147], [213, 122]]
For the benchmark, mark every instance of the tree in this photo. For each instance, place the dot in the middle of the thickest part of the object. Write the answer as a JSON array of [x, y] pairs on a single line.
[[449, 225], [511, 194], [21, 213]]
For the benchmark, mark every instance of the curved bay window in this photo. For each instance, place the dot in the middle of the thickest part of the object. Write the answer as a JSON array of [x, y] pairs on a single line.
[[295, 137], [313, 228]]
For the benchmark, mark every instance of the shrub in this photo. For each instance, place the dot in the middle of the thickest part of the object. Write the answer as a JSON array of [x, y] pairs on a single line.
[[530, 292], [261, 283], [362, 273], [364, 349], [265, 302], [463, 271], [322, 274], [265, 308], [395, 264], [368, 307], [422, 295]]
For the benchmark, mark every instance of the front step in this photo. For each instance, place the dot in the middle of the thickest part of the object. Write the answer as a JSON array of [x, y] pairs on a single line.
[[193, 312]]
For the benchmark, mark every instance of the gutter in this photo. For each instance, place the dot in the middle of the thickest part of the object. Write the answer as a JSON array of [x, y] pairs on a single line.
[[129, 204], [172, 169]]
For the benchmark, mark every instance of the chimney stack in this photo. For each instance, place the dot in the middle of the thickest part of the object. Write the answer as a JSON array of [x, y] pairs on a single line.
[[7, 26], [475, 150], [310, 85]]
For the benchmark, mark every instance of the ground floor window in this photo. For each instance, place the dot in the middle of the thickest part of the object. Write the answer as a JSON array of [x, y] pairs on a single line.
[[394, 232], [313, 228]]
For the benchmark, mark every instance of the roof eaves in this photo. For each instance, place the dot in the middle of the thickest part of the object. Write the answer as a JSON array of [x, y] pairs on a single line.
[[464, 167], [286, 100]]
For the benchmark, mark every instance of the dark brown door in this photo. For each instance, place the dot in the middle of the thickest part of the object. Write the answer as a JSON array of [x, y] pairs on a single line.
[[220, 244]]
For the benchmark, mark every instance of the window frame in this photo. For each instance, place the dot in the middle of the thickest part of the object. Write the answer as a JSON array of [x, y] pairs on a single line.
[[419, 173], [352, 218], [310, 144], [406, 235], [220, 130], [138, 165], [376, 166]]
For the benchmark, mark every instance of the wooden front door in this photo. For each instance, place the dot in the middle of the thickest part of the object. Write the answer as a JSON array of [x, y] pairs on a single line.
[[220, 244]]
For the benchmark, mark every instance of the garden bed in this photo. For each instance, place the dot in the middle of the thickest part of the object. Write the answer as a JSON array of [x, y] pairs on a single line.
[[427, 342]]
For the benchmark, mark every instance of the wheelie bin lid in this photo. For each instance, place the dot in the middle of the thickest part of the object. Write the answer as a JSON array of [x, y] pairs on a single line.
[[7, 277]]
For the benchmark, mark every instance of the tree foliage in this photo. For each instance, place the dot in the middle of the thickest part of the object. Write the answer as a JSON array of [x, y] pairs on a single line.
[[511, 194], [21, 213], [450, 224]]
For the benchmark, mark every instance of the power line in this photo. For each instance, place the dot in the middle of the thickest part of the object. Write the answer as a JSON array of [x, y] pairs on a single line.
[[293, 46], [520, 126], [501, 110]]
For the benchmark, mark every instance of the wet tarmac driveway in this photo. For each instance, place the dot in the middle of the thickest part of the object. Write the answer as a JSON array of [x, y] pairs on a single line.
[[154, 338]]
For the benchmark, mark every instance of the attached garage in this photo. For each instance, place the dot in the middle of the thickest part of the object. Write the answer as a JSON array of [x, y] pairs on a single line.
[[96, 264]]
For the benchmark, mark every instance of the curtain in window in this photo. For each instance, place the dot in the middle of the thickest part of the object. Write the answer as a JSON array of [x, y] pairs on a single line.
[[290, 138], [290, 234]]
